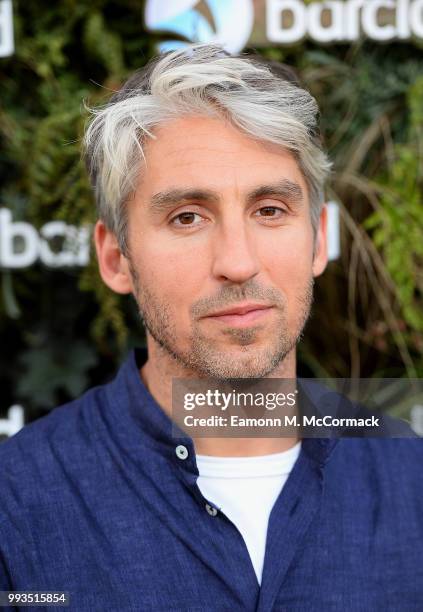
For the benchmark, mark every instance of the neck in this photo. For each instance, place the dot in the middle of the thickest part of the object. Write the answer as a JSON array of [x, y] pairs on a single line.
[[157, 374]]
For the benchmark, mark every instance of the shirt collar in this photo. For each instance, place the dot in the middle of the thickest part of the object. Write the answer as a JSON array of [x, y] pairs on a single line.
[[143, 413]]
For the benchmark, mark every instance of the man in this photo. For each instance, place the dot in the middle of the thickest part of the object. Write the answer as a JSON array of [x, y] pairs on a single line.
[[208, 175]]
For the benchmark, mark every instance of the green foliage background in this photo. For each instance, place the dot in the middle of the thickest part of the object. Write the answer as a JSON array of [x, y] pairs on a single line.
[[62, 330]]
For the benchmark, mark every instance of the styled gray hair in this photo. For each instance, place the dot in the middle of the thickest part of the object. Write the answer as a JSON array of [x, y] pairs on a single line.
[[262, 99]]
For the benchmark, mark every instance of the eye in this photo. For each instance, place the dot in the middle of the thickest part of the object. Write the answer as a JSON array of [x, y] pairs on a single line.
[[270, 212], [186, 218]]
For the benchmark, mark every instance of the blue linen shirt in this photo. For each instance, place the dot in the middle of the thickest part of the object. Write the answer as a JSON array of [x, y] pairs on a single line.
[[95, 500]]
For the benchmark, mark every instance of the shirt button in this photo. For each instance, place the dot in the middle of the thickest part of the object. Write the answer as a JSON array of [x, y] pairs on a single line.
[[212, 511], [181, 451]]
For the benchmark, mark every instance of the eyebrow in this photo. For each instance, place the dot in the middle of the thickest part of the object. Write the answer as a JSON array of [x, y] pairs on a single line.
[[163, 201]]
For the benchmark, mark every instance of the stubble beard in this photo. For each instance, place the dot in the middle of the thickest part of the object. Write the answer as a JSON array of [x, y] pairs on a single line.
[[204, 358]]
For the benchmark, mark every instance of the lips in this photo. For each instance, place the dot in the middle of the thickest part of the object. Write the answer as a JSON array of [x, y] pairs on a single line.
[[242, 315], [240, 310]]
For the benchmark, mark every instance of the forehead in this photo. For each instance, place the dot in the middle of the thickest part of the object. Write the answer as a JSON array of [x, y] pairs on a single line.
[[211, 153]]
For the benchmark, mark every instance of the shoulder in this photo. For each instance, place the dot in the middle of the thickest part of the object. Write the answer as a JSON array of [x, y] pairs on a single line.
[[389, 462], [379, 480], [34, 460], [60, 424], [407, 449]]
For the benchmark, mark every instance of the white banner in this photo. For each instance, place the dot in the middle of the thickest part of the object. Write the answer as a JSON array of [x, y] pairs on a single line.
[[6, 28]]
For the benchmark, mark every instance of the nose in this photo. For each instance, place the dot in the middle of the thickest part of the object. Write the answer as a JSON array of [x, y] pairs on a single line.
[[235, 257]]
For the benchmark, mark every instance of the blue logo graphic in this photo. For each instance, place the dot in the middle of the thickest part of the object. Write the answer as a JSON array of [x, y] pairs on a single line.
[[226, 22]]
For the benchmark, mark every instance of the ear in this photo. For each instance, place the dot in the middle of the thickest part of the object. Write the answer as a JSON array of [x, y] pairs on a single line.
[[320, 258], [113, 266]]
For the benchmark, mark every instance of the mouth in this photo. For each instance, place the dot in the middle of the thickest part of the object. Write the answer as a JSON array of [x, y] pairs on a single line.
[[242, 315]]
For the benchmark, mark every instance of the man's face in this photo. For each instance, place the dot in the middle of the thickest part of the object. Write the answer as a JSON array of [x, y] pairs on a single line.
[[221, 249]]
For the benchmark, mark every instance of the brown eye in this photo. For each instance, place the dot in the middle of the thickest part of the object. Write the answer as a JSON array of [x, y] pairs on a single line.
[[185, 218], [271, 212], [268, 211]]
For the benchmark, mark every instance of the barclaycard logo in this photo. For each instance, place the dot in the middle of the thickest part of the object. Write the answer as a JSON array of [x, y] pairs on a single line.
[[231, 22], [227, 22], [56, 244]]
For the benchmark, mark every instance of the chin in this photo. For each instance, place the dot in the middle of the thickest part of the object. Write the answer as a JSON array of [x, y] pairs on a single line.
[[244, 362]]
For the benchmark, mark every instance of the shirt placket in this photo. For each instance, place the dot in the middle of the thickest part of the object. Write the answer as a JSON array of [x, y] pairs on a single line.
[[223, 547]]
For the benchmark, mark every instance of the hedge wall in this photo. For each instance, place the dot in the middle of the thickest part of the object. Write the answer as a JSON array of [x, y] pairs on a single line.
[[62, 330]]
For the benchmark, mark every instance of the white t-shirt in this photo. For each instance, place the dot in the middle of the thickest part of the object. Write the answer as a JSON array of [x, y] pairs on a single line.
[[245, 489]]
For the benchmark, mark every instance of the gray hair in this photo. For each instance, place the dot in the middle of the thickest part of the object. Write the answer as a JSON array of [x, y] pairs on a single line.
[[259, 98]]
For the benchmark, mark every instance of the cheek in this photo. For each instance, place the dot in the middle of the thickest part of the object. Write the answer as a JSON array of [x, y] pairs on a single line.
[[289, 256], [175, 272]]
